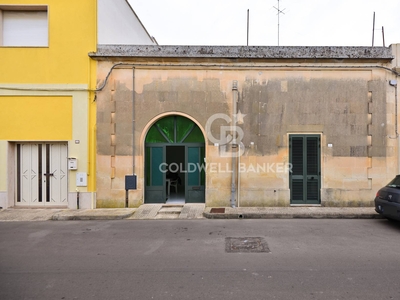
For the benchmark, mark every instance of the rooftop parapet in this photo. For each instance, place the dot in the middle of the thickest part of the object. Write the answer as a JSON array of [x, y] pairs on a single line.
[[242, 52]]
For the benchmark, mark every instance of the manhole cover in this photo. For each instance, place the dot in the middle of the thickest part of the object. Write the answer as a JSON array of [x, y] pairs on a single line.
[[220, 210], [246, 244]]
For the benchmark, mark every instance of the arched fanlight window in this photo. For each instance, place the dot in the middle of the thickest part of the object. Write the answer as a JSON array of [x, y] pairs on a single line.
[[174, 129]]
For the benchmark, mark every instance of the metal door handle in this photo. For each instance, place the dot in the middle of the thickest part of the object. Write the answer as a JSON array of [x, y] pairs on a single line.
[[49, 174]]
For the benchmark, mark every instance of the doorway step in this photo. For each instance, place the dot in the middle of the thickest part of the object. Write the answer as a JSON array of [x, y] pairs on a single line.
[[167, 212]]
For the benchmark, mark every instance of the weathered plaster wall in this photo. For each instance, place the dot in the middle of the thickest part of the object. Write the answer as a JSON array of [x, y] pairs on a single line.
[[348, 108]]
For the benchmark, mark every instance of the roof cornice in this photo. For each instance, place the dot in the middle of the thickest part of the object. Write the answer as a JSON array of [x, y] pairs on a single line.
[[242, 52]]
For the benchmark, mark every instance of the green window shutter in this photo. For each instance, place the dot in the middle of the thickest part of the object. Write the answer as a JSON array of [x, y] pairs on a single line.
[[305, 179]]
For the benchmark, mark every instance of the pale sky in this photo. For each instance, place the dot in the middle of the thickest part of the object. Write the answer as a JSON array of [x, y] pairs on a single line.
[[304, 22]]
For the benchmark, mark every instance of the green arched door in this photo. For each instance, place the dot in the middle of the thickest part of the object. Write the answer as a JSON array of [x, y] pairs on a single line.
[[174, 143]]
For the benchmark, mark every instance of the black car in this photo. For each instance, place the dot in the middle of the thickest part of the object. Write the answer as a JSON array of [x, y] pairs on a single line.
[[387, 200]]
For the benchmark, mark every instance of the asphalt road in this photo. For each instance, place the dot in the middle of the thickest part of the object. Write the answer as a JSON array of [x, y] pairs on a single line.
[[172, 259]]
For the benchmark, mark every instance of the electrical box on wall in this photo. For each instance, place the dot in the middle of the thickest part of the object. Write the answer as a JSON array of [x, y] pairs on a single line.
[[130, 182], [72, 163], [81, 179]]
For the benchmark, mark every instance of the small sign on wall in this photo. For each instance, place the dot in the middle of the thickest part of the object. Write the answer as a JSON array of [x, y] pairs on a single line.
[[81, 179]]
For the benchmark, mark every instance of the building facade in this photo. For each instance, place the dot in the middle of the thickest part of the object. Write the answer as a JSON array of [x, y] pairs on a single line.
[[47, 98], [246, 126]]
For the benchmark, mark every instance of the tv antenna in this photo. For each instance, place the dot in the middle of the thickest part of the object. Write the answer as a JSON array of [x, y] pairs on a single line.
[[279, 12], [373, 32]]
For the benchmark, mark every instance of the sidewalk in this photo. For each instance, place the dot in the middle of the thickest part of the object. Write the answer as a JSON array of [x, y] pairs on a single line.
[[299, 212], [188, 211], [35, 214]]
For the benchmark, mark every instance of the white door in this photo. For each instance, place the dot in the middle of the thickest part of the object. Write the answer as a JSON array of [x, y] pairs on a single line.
[[42, 174]]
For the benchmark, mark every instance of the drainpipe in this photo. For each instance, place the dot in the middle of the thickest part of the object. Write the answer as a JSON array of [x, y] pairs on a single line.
[[394, 83], [132, 185], [397, 133], [238, 174], [234, 144], [133, 120], [77, 198]]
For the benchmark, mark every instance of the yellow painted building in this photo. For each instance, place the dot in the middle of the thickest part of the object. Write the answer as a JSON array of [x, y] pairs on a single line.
[[47, 97]]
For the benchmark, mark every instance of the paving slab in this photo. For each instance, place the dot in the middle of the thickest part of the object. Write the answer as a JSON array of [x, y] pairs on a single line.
[[168, 212], [146, 212], [192, 211], [166, 216], [171, 209], [94, 214], [28, 214]]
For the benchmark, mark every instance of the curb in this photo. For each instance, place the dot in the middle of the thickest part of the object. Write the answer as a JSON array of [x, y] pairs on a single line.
[[289, 216], [285, 216]]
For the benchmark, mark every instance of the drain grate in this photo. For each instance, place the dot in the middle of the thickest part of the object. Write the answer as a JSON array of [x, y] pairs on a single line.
[[246, 245], [220, 210]]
